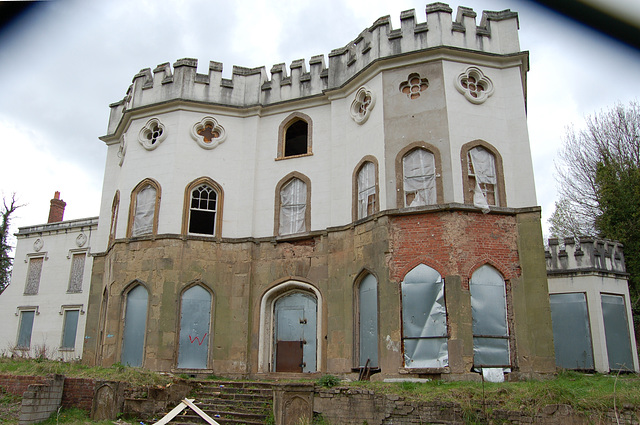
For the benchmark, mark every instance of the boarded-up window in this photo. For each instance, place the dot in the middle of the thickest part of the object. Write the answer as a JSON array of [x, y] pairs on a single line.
[[296, 138], [482, 177], [419, 175], [33, 276], [366, 190], [202, 212], [135, 325], [195, 320], [77, 273], [368, 321], [25, 329], [489, 315], [616, 330], [145, 211], [571, 331], [424, 319], [70, 329], [293, 207]]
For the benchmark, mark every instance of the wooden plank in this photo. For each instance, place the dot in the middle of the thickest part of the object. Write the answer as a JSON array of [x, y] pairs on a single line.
[[169, 416], [199, 412]]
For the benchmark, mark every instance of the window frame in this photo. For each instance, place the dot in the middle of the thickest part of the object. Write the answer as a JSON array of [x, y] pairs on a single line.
[[307, 216], [282, 135], [63, 312], [19, 312], [42, 256], [132, 207], [115, 207], [356, 190], [357, 328], [400, 195], [468, 191], [186, 210]]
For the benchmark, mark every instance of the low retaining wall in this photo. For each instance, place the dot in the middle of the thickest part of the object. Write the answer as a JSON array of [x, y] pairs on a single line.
[[41, 400]]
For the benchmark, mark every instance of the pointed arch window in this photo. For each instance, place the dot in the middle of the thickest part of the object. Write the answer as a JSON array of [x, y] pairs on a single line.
[[195, 328], [292, 205], [145, 202], [424, 319], [367, 322], [483, 179], [115, 205], [489, 316], [135, 326], [295, 135], [203, 208], [367, 188], [419, 178]]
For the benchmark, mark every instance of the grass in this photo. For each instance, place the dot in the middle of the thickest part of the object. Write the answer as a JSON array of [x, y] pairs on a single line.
[[117, 372], [584, 392]]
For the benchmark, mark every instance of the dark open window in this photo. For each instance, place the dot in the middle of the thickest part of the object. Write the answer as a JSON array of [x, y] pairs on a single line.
[[295, 142], [202, 212]]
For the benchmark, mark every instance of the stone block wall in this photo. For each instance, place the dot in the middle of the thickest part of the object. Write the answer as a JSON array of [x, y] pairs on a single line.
[[41, 400]]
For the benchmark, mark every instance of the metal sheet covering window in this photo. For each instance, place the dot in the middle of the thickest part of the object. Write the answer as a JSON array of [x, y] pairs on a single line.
[[424, 319], [489, 315], [419, 171], [293, 207], [69, 329], [616, 331], [368, 321], [571, 331], [135, 326], [195, 325]]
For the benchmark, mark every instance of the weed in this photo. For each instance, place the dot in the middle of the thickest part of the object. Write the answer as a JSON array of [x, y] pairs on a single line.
[[328, 381]]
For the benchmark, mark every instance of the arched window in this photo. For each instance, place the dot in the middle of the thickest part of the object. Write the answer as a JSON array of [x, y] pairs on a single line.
[[203, 208], [424, 319], [366, 182], [195, 328], [483, 180], [367, 322], [418, 182], [489, 315], [115, 205], [294, 136], [293, 214], [135, 326], [143, 213]]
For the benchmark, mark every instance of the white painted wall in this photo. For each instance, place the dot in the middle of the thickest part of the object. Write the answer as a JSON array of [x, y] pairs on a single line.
[[59, 245]]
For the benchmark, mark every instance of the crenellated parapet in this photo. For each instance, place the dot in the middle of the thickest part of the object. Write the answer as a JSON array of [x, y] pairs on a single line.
[[496, 34], [588, 254]]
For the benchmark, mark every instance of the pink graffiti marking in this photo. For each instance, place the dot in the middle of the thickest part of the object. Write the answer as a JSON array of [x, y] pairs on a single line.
[[195, 338]]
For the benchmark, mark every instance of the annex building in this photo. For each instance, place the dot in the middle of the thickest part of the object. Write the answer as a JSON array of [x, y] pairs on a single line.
[[376, 210]]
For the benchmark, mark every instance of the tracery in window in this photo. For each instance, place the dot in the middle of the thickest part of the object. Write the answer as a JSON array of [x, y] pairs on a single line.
[[362, 105], [294, 136], [414, 85], [367, 202], [202, 212], [208, 133], [292, 204], [152, 134], [145, 200], [419, 178], [474, 85]]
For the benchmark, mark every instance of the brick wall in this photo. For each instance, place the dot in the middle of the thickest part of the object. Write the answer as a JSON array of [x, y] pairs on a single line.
[[78, 392], [17, 385], [41, 400], [454, 243]]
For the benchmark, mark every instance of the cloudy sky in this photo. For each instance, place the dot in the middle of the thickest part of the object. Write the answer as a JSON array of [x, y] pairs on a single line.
[[62, 64]]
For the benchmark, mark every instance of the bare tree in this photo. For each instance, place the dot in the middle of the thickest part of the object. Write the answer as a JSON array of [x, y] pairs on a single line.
[[610, 137], [6, 261]]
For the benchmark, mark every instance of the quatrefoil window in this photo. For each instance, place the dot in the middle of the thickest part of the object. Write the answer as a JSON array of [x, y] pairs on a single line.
[[152, 134], [362, 105], [474, 85], [414, 85], [208, 133]]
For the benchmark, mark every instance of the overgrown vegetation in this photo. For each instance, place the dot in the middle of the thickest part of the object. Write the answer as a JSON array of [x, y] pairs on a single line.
[[117, 372], [328, 381]]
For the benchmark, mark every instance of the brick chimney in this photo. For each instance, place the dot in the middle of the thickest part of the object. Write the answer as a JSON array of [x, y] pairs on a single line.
[[56, 211]]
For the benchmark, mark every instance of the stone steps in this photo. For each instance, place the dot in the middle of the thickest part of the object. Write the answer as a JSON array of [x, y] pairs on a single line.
[[230, 403]]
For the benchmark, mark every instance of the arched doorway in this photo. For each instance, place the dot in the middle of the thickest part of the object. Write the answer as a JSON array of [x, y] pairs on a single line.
[[295, 318], [195, 328]]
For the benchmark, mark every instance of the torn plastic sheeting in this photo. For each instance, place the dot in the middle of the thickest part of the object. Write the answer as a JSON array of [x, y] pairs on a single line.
[[419, 177], [426, 352], [484, 169], [490, 351], [366, 187], [145, 209]]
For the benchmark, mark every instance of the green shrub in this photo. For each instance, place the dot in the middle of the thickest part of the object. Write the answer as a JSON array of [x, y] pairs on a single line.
[[328, 381]]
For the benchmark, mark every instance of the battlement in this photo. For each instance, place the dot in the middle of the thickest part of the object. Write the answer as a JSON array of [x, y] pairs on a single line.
[[497, 34], [589, 254]]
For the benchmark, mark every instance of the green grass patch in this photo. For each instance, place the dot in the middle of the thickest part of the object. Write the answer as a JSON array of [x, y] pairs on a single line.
[[117, 372]]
